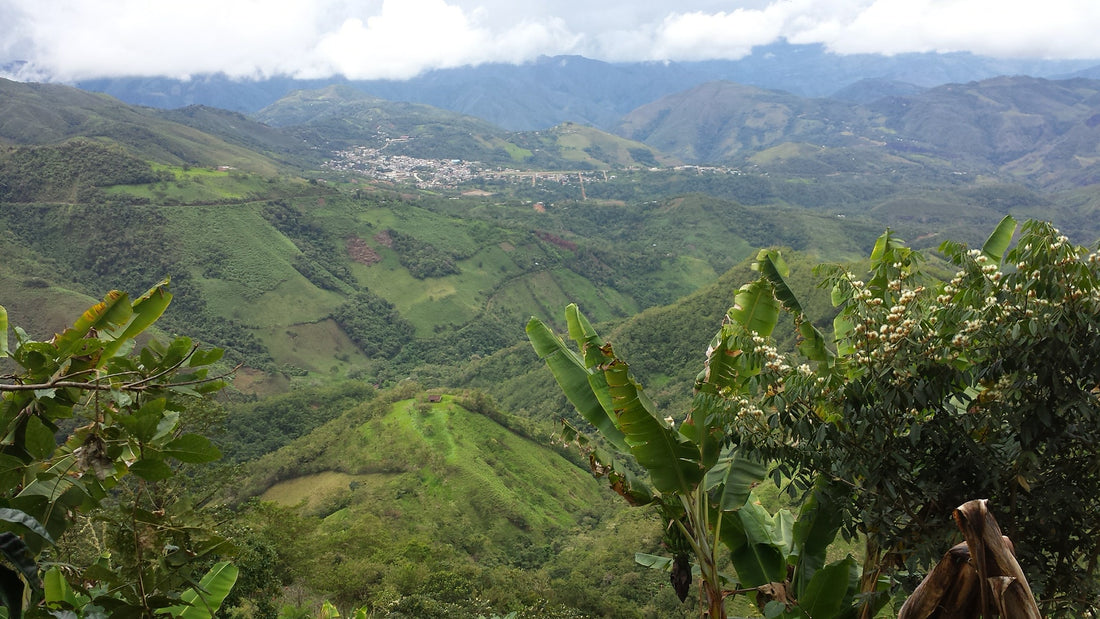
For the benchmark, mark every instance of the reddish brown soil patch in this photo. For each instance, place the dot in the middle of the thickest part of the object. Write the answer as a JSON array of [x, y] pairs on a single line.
[[383, 238], [556, 240], [360, 252]]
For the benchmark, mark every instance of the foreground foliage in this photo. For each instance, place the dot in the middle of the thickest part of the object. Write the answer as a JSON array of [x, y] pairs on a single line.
[[983, 386], [925, 395], [129, 409], [701, 485]]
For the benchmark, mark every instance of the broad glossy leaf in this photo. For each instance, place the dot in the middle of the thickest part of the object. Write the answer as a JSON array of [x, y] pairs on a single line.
[[776, 274], [997, 243], [722, 369], [758, 550], [145, 310], [206, 357], [151, 469], [812, 342], [212, 591], [671, 460], [755, 308], [842, 329], [177, 350], [11, 473], [142, 424], [734, 476], [38, 440], [57, 589], [653, 561], [192, 448], [112, 312], [829, 589], [574, 379], [815, 530], [25, 521]]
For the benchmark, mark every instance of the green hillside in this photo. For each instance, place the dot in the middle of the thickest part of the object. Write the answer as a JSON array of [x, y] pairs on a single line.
[[434, 506], [40, 114], [338, 118], [347, 300]]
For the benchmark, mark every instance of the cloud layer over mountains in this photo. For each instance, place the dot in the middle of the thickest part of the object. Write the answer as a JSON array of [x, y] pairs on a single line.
[[80, 39]]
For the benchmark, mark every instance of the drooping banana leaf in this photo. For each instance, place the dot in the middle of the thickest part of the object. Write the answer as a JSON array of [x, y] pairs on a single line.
[[734, 477], [813, 532], [672, 461], [755, 308], [574, 377], [812, 342], [831, 591], [758, 551], [114, 310], [620, 478]]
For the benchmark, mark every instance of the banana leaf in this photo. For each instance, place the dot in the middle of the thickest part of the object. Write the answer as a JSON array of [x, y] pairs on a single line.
[[734, 476], [580, 385], [755, 308], [997, 243], [672, 461]]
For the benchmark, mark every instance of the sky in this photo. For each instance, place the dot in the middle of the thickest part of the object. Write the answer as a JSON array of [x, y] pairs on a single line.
[[68, 40]]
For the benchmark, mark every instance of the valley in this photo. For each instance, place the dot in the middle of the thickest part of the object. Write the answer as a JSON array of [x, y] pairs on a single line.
[[390, 440]]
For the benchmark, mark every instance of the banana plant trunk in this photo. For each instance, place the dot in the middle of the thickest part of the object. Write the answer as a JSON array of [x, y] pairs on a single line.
[[716, 608], [868, 583]]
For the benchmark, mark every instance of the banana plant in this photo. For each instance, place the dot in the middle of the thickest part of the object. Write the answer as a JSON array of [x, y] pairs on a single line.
[[697, 480]]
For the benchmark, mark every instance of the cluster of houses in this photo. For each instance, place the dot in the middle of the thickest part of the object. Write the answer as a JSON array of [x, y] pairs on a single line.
[[423, 173]]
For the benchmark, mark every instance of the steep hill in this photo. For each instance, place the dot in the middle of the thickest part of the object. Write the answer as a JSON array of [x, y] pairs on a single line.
[[424, 503], [43, 114], [724, 121], [1003, 124]]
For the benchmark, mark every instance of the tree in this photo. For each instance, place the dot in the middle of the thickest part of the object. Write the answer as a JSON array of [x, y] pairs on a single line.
[[984, 386], [131, 407], [925, 395]]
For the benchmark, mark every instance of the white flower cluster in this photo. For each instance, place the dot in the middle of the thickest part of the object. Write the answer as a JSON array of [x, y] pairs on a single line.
[[773, 361], [747, 408]]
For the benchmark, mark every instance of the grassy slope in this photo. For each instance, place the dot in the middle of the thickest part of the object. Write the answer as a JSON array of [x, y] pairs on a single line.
[[463, 463], [479, 499], [47, 114]]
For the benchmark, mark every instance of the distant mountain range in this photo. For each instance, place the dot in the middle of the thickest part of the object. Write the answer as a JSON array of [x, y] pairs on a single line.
[[1040, 131], [552, 90]]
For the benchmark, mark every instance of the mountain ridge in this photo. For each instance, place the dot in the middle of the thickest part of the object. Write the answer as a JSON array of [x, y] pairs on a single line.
[[550, 90]]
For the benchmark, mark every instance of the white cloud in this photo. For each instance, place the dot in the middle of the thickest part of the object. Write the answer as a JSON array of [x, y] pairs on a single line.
[[408, 36], [1001, 28], [74, 39], [698, 35]]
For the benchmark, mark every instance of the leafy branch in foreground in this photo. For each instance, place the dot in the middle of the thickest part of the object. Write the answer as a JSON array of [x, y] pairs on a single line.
[[699, 482], [131, 406], [983, 386], [926, 395]]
